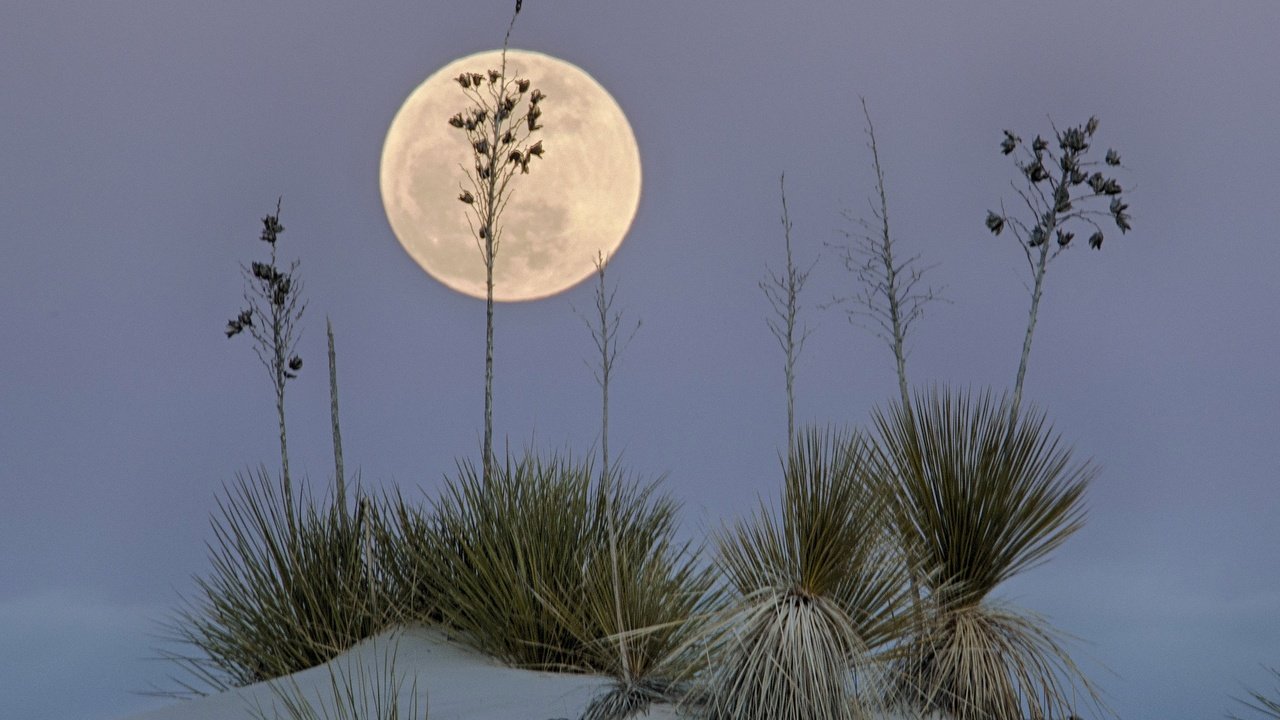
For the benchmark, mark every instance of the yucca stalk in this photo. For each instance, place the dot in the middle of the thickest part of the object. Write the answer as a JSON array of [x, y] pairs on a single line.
[[1062, 192], [339, 474], [604, 326], [499, 123], [782, 289], [273, 308], [980, 493], [818, 590], [889, 298]]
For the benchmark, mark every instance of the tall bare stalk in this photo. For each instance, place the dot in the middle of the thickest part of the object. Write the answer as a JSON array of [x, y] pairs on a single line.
[[888, 300], [339, 476], [499, 124], [605, 336], [273, 307], [783, 292]]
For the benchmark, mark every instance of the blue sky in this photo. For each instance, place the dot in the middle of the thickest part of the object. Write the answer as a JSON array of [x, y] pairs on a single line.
[[142, 142]]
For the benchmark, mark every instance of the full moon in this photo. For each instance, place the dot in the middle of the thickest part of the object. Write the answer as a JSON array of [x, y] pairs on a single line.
[[577, 200]]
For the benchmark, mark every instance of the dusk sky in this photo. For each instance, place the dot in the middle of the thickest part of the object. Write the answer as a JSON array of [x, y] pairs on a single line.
[[142, 141]]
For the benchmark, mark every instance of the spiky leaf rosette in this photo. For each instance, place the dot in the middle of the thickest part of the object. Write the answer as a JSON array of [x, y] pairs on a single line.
[[522, 565], [989, 662], [980, 493], [818, 589], [281, 596]]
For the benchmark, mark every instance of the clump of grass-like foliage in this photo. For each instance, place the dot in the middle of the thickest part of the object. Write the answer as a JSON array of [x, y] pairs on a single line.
[[817, 591], [545, 568], [356, 692], [1268, 706], [642, 600], [980, 492], [282, 595]]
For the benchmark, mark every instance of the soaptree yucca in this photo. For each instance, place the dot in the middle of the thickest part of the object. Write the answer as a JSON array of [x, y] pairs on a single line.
[[817, 590], [524, 567], [978, 494], [286, 590]]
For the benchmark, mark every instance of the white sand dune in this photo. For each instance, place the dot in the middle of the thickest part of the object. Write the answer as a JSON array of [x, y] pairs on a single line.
[[454, 683]]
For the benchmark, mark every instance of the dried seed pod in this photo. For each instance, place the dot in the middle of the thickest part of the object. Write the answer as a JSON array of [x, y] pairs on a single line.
[[995, 223], [1061, 199], [1009, 143]]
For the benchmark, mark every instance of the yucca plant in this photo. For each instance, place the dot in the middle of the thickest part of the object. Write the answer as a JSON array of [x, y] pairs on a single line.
[[273, 309], [979, 493], [355, 692], [522, 567], [642, 599], [283, 595], [405, 545], [817, 591], [492, 547]]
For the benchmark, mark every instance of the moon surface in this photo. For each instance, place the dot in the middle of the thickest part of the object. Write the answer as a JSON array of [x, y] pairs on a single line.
[[576, 201]]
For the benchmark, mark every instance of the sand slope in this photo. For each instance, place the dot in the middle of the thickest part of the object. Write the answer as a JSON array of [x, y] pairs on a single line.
[[454, 683]]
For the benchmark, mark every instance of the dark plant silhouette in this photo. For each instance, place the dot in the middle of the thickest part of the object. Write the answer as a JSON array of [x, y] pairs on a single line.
[[273, 307], [499, 123], [1063, 191]]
